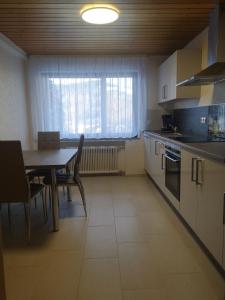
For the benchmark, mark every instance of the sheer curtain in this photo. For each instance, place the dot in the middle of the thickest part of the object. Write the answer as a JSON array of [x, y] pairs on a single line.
[[100, 96]]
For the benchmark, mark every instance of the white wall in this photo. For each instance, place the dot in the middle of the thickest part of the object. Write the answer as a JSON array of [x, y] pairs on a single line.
[[13, 96], [134, 149]]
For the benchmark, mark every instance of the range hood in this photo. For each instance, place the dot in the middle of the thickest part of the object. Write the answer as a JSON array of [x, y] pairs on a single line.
[[215, 72]]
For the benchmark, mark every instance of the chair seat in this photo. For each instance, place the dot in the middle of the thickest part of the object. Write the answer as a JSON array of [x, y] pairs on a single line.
[[35, 188], [61, 179], [39, 173]]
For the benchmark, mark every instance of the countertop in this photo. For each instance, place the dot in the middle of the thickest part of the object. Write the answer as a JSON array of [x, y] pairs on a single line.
[[211, 150]]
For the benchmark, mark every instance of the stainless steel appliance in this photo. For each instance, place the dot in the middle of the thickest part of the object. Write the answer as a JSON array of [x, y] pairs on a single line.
[[172, 169]]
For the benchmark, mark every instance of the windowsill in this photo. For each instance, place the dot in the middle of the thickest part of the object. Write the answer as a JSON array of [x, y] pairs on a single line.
[[97, 142], [101, 140]]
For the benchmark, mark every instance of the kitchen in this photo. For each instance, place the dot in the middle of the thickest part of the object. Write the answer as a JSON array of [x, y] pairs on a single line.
[[135, 223]]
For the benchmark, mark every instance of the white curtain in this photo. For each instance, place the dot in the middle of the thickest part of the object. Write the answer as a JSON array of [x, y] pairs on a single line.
[[100, 96]]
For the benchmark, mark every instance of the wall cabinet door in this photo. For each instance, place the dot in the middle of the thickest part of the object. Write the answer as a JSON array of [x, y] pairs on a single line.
[[211, 188], [189, 189], [179, 66]]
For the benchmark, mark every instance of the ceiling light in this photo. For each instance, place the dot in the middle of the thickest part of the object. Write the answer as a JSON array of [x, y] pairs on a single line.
[[99, 14]]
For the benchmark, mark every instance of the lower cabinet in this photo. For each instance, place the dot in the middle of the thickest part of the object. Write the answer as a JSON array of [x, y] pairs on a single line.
[[202, 200], [154, 160]]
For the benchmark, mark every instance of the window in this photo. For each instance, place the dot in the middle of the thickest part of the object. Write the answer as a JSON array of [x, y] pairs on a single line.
[[100, 106]]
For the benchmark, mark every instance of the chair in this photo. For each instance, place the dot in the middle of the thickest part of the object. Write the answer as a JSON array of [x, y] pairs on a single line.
[[72, 179], [15, 186], [47, 140]]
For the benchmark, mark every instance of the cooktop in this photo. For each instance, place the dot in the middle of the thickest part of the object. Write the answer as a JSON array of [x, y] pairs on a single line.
[[197, 139]]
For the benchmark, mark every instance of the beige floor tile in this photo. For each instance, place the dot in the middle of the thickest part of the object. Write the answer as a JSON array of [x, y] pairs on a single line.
[[172, 256], [101, 217], [124, 206], [71, 235], [100, 280], [191, 287], [138, 268], [20, 282], [156, 223], [101, 242], [129, 229], [145, 295], [59, 276]]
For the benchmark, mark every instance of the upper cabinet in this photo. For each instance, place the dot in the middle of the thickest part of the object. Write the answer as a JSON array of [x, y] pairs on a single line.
[[179, 66]]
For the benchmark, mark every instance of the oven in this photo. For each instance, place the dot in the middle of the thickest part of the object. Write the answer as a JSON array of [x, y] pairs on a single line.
[[172, 169]]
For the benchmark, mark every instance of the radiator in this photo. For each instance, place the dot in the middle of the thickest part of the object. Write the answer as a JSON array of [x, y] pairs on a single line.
[[99, 159]]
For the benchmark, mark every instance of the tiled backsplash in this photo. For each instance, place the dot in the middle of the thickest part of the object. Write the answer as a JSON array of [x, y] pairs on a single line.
[[216, 120], [191, 120]]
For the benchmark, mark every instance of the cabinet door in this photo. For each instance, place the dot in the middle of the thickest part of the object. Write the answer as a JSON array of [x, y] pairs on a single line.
[[224, 246], [188, 191], [161, 83], [211, 190], [160, 165], [147, 144]]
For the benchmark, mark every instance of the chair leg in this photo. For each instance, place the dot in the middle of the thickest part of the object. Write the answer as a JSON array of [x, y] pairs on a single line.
[[35, 202], [9, 214], [45, 211], [81, 189], [49, 196], [28, 220], [68, 194]]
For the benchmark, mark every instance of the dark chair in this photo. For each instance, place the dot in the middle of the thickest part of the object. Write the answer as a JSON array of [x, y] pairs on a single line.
[[47, 140], [72, 179], [15, 186]]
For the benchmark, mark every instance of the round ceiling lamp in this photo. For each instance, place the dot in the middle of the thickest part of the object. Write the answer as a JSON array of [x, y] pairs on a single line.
[[99, 14]]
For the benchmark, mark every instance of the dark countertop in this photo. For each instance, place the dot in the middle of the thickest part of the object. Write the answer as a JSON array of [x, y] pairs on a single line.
[[211, 150]]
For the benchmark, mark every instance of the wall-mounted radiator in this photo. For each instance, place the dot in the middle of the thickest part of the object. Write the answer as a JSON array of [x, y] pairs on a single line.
[[100, 159]]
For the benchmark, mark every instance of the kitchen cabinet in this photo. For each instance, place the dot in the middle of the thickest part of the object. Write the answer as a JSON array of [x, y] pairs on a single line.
[[202, 199], [178, 67], [154, 159], [147, 148], [188, 189], [157, 159]]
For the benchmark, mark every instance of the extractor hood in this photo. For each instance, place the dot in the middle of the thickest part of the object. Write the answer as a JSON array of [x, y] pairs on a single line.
[[215, 72]]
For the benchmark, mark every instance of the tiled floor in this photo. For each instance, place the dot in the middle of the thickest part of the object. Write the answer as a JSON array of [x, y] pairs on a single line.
[[131, 247]]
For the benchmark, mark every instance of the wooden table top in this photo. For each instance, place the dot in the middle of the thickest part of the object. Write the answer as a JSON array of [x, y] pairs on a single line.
[[48, 158]]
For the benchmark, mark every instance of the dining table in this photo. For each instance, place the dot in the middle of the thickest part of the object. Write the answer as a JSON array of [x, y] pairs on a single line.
[[52, 160]]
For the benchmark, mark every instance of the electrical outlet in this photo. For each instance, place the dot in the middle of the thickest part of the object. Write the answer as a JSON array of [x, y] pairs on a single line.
[[203, 120]]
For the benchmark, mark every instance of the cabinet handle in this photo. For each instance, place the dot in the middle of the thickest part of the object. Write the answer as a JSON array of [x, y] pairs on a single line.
[[193, 161], [199, 163], [224, 208], [162, 161], [156, 151], [165, 91]]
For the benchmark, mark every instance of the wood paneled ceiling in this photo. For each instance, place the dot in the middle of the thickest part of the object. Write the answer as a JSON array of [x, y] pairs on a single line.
[[144, 26]]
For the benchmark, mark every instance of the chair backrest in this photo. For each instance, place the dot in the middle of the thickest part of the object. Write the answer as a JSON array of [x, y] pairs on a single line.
[[13, 181], [78, 156], [48, 140]]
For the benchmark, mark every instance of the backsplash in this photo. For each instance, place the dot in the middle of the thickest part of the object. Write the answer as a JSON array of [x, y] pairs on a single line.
[[216, 120], [191, 120]]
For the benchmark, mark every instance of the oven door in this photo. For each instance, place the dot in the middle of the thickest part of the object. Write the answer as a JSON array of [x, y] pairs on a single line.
[[172, 174]]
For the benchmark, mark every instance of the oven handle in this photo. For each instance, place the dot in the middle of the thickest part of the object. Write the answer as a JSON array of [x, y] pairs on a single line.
[[172, 159]]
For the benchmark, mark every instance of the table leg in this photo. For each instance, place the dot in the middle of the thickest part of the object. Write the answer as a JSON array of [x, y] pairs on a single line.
[[55, 207]]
